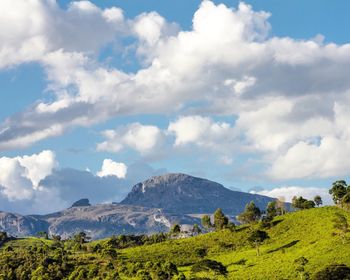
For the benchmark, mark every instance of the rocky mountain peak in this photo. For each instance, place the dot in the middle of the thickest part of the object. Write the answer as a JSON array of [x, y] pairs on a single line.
[[81, 202]]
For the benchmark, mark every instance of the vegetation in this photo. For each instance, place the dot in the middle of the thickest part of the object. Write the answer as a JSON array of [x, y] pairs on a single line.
[[308, 244], [294, 250], [251, 214], [302, 203]]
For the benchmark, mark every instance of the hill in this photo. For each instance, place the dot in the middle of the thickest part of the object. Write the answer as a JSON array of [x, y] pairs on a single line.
[[181, 193], [307, 233]]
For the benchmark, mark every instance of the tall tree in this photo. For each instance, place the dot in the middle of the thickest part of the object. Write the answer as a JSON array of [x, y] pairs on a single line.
[[318, 200], [220, 220], [251, 214], [175, 230], [256, 238], [271, 210], [338, 191], [206, 223]]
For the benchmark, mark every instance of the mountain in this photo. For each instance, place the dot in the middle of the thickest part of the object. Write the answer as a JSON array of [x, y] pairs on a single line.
[[181, 193], [152, 206]]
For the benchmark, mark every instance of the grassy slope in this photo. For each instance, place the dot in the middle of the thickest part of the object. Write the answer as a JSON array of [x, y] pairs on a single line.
[[305, 233]]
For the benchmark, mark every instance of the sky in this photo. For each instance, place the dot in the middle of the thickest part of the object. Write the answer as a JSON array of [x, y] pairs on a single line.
[[97, 96]]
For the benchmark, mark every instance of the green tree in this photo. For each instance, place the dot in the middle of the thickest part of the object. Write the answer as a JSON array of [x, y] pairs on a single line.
[[81, 237], [271, 210], [341, 226], [302, 203], [333, 271], [318, 200], [338, 191], [206, 223], [251, 214], [43, 234], [256, 237], [196, 229], [175, 229], [220, 220]]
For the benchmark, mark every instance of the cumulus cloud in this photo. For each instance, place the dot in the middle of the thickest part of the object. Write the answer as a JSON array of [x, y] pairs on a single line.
[[35, 185], [112, 168], [201, 131], [142, 138], [289, 191], [284, 93], [20, 176]]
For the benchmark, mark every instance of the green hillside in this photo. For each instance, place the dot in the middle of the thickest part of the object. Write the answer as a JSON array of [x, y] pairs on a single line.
[[307, 233]]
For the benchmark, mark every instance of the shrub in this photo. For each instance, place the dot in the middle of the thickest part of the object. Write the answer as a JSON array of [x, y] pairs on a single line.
[[209, 265]]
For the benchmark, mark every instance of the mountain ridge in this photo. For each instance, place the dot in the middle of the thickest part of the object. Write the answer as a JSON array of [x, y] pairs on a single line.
[[151, 206]]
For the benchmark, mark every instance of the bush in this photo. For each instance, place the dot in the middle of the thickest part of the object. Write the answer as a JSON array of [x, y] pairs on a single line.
[[333, 272], [209, 265]]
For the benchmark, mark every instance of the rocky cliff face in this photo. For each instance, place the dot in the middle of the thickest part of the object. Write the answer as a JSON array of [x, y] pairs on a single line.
[[181, 193]]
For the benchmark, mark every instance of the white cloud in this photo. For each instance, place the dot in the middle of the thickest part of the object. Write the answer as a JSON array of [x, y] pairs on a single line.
[[31, 29], [289, 191], [20, 176], [284, 92], [112, 168], [142, 138], [201, 131]]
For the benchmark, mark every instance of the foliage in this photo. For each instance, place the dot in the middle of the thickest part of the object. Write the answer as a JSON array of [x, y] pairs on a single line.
[[293, 236], [220, 220], [318, 200], [251, 214], [256, 237], [333, 272], [338, 191], [206, 223], [209, 265], [302, 203]]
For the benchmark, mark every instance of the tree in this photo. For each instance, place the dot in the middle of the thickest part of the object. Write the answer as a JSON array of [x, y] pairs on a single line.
[[338, 191], [318, 200], [256, 238], [302, 203], [271, 210], [341, 226], [175, 230], [220, 220], [333, 271], [251, 214], [81, 237], [206, 223], [196, 229], [43, 234]]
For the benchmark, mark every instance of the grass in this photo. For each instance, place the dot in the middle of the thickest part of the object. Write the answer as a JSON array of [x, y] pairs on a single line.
[[307, 233]]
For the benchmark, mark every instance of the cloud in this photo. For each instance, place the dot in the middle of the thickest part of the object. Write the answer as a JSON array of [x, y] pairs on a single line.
[[142, 138], [284, 93], [32, 29], [112, 168], [20, 176], [35, 185], [201, 131], [289, 191]]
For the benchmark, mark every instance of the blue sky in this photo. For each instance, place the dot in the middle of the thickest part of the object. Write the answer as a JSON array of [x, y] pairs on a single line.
[[251, 94]]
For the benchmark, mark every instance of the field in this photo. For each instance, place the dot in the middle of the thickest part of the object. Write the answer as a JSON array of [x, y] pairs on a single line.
[[306, 233]]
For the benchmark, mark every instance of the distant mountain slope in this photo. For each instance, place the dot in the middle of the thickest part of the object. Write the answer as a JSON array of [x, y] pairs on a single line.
[[181, 193], [151, 206]]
